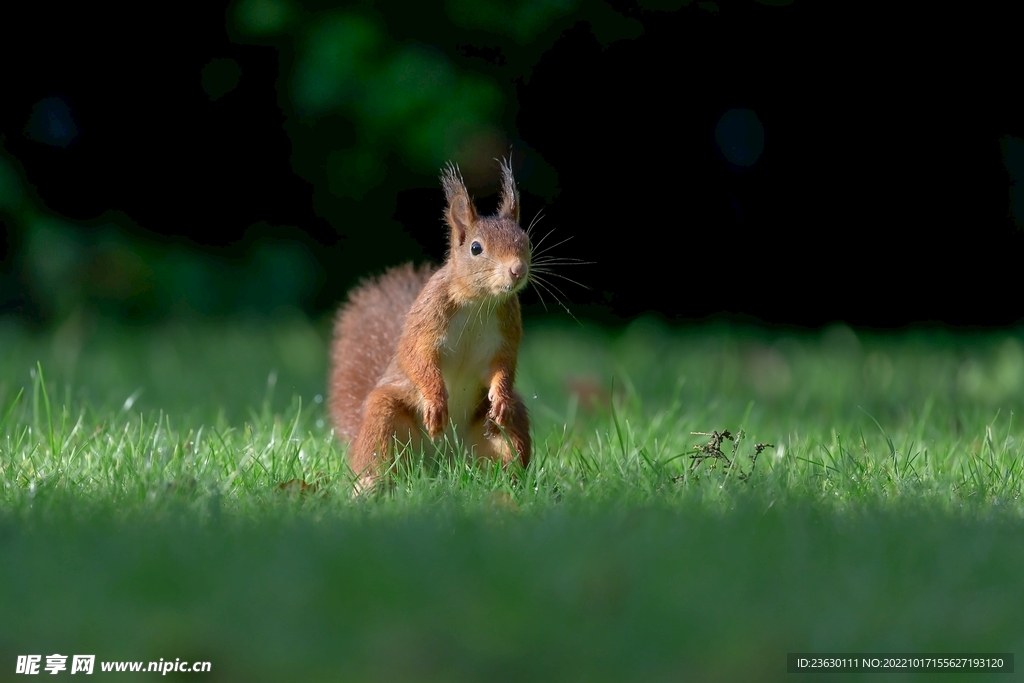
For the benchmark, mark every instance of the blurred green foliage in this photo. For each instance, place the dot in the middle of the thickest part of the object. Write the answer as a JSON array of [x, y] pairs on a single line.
[[376, 99], [10, 187], [368, 85], [106, 267], [410, 98], [522, 20], [380, 96], [220, 76]]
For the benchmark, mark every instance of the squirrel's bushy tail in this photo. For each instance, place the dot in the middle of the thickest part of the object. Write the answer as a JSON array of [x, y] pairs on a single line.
[[366, 334]]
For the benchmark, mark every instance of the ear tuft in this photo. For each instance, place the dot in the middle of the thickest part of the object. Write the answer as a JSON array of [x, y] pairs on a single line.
[[460, 212], [509, 207]]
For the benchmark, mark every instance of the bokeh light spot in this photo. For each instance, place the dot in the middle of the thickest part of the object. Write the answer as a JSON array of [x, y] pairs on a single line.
[[740, 137], [340, 56], [51, 123], [1013, 160], [220, 76], [262, 17]]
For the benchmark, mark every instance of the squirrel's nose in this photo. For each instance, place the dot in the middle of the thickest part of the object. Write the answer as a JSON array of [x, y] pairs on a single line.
[[517, 271]]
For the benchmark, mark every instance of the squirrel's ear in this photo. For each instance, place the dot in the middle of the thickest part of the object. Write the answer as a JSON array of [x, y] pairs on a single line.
[[509, 207], [460, 212]]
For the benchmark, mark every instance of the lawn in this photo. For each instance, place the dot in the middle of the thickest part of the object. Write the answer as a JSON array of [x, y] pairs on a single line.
[[175, 492]]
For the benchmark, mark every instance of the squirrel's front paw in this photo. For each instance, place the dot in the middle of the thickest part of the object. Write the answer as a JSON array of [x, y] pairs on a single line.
[[500, 410], [435, 417]]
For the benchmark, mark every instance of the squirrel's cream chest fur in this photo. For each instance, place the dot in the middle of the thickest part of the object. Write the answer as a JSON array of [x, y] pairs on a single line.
[[472, 340]]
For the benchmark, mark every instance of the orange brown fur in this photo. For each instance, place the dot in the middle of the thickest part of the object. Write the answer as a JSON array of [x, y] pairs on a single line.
[[420, 354]]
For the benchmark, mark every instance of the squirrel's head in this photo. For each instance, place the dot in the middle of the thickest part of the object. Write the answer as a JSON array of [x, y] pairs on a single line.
[[490, 255]]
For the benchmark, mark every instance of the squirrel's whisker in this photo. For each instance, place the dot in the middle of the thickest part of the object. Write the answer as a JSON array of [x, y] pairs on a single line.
[[572, 259], [539, 295], [557, 244], [537, 246], [536, 219], [551, 284], [562, 261], [538, 282], [559, 275]]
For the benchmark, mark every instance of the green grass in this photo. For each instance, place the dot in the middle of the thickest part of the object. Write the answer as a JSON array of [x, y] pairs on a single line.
[[152, 506]]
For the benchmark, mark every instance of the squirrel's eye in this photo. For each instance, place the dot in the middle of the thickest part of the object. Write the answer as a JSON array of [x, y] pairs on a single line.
[[475, 249]]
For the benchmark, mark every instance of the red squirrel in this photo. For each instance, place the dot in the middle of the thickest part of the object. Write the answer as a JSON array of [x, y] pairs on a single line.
[[434, 349]]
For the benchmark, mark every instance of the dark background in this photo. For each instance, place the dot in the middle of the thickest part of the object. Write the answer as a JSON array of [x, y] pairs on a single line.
[[214, 159]]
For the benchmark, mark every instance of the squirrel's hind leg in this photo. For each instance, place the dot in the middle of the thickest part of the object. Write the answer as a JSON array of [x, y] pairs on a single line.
[[505, 444], [387, 417]]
